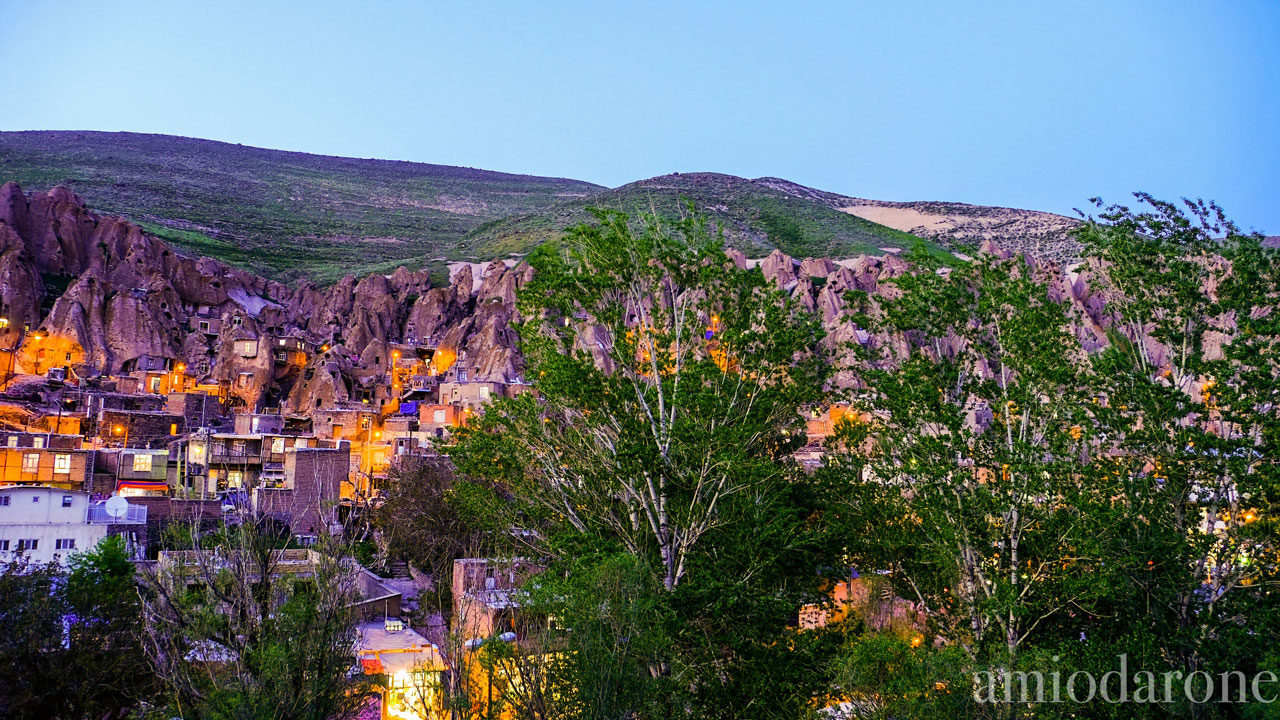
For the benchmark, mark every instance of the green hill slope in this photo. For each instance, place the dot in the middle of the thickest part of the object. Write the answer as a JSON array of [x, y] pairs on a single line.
[[294, 216], [283, 214], [756, 216]]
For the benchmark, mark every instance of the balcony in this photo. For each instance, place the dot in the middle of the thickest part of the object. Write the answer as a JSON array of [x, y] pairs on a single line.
[[221, 457], [134, 515]]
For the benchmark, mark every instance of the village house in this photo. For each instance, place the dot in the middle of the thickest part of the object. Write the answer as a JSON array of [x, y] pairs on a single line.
[[50, 524], [197, 409], [412, 667], [55, 461], [486, 595], [218, 462], [315, 480], [137, 428], [439, 420], [180, 569], [135, 472]]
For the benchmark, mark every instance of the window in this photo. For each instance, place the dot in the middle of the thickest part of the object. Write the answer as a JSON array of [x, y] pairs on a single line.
[[4, 546], [35, 498], [173, 428], [204, 326], [30, 462], [65, 544], [484, 393], [235, 479], [37, 442], [437, 416], [66, 501], [4, 501], [62, 464], [13, 441], [28, 544], [68, 357], [155, 384], [277, 445], [142, 463], [337, 432]]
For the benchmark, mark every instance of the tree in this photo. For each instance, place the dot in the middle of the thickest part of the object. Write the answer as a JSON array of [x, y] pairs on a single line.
[[108, 672], [668, 383], [970, 477], [1189, 383], [426, 519], [31, 639], [70, 637], [238, 629]]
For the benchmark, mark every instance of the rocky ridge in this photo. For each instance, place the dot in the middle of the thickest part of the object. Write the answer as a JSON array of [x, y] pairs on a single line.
[[114, 294]]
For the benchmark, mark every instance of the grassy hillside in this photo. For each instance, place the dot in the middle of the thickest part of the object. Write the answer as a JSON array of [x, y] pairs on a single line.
[[295, 216], [756, 216], [283, 214]]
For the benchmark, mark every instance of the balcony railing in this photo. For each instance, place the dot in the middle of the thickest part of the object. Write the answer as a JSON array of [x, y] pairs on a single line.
[[134, 515], [233, 458]]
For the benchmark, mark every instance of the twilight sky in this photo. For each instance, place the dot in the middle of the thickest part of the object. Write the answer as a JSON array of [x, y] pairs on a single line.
[[1035, 105]]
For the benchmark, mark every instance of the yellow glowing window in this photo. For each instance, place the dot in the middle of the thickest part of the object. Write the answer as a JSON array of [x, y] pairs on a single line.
[[62, 464], [142, 463], [30, 462]]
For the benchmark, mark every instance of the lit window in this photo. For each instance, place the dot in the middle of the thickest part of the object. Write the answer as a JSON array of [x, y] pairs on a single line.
[[37, 442], [277, 445], [173, 428], [62, 463], [13, 441], [30, 462], [235, 478], [142, 463], [155, 384]]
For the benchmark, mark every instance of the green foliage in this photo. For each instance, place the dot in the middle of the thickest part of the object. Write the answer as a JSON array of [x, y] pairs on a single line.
[[654, 459], [235, 634], [71, 637]]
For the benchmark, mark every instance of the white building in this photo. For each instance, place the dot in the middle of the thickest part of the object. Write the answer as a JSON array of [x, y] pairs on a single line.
[[47, 524]]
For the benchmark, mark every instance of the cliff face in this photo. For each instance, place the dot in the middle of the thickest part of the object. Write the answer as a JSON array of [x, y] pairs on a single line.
[[104, 298], [112, 295]]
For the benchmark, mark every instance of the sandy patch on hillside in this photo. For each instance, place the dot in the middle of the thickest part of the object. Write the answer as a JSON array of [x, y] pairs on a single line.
[[908, 219]]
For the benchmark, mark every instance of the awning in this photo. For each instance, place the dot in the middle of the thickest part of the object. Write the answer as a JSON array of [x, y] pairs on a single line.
[[141, 485]]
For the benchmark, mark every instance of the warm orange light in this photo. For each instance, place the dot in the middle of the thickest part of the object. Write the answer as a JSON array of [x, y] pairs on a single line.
[[324, 348], [915, 641], [378, 434], [395, 354], [119, 430], [181, 367]]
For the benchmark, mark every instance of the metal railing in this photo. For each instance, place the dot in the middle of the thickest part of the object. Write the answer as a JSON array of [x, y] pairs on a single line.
[[134, 515]]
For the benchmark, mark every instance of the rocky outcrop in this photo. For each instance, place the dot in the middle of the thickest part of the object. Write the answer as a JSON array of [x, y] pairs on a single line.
[[110, 294], [114, 294]]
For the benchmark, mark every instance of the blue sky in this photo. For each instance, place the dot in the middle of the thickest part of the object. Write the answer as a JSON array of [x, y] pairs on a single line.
[[1037, 105]]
